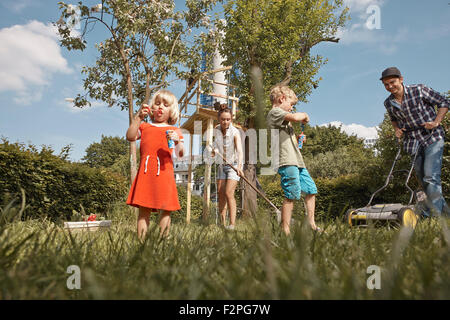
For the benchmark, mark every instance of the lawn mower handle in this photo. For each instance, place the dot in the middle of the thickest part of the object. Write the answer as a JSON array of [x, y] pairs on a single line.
[[397, 157]]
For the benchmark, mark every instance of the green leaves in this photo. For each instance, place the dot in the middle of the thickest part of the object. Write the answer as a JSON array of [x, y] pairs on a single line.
[[146, 42], [106, 152], [276, 36]]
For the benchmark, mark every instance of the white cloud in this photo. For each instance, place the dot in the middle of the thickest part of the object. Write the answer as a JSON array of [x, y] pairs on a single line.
[[359, 33], [355, 129], [363, 27], [27, 97], [68, 94], [29, 56]]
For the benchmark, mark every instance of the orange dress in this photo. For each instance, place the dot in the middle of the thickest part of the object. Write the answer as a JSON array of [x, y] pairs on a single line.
[[154, 186]]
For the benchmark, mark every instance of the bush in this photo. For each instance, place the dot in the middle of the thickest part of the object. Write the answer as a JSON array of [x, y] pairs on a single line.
[[340, 162], [54, 187], [196, 205], [336, 195]]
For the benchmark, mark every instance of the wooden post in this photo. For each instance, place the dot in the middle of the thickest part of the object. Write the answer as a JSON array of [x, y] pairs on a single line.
[[233, 109], [207, 186], [250, 196], [233, 104], [198, 94], [189, 186]]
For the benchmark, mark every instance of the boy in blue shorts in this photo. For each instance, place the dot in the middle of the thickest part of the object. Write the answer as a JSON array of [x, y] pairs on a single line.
[[295, 179]]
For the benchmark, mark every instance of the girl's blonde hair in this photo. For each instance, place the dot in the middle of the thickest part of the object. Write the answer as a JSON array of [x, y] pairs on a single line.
[[279, 90], [170, 98]]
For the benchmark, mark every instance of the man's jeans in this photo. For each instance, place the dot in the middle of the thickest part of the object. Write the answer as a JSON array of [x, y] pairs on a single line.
[[428, 169]]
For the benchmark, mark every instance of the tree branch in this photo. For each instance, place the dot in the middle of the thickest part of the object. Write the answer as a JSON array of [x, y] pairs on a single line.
[[149, 90], [303, 51]]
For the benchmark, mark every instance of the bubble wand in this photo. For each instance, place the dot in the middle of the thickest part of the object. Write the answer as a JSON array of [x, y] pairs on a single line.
[[302, 136]]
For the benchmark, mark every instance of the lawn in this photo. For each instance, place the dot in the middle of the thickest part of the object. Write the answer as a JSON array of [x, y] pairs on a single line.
[[205, 261]]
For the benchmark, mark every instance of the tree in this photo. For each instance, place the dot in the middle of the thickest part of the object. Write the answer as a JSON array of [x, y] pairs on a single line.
[[148, 40], [342, 161], [275, 39], [106, 152], [323, 139]]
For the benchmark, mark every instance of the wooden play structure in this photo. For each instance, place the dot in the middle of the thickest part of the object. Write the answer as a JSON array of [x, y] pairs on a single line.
[[194, 111]]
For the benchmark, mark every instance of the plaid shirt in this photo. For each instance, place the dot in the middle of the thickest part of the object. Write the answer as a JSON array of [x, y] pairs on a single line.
[[417, 108]]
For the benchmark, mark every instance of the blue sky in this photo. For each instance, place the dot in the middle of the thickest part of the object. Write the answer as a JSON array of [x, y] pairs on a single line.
[[36, 75]]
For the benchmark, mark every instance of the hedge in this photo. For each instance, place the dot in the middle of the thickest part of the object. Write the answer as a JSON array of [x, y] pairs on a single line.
[[336, 195], [54, 187]]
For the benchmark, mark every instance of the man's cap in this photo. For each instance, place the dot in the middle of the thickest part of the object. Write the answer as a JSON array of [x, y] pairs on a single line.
[[389, 72]]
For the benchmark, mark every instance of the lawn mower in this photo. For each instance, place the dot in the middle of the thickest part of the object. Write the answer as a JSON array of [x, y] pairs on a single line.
[[396, 213]]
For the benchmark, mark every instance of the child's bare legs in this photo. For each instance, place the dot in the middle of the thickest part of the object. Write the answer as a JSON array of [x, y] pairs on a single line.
[[164, 223], [221, 187], [310, 205], [231, 201], [142, 222], [286, 214]]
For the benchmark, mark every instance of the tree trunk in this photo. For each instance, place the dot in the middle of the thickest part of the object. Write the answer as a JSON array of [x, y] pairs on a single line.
[[249, 199], [250, 203], [133, 158], [207, 186]]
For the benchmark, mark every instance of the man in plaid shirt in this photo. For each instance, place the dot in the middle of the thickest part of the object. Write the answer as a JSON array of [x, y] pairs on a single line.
[[411, 109]]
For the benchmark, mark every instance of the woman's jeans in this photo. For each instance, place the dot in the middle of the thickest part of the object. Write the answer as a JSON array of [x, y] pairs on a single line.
[[428, 169]]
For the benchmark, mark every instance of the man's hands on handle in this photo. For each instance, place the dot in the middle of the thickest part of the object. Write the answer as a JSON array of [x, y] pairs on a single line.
[[399, 132], [430, 125], [427, 125]]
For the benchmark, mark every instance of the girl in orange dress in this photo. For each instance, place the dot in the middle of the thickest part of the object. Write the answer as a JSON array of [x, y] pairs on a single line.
[[154, 187]]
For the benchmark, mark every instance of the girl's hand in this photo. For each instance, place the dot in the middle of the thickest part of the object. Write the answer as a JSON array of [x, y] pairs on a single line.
[[240, 173], [171, 134], [144, 111]]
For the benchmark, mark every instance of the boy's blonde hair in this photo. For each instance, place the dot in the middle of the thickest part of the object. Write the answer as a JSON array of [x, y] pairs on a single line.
[[171, 100], [280, 90]]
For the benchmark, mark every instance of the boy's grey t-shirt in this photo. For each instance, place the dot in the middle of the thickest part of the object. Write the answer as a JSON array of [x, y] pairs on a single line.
[[289, 152]]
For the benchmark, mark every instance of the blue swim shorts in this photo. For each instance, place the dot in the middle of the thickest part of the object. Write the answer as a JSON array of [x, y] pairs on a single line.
[[295, 180]]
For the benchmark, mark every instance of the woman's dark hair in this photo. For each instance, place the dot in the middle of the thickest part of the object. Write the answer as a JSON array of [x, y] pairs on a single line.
[[222, 109]]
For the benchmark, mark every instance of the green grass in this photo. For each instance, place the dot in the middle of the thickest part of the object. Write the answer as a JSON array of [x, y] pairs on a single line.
[[200, 261]]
